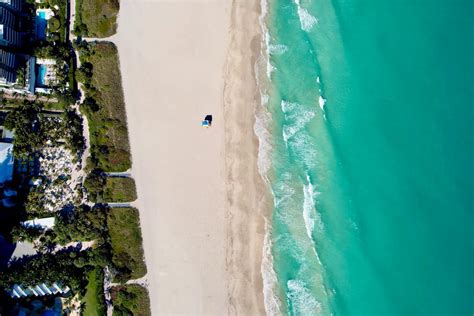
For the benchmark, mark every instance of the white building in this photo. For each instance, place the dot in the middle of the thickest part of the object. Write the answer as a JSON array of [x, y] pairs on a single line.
[[44, 223], [43, 289]]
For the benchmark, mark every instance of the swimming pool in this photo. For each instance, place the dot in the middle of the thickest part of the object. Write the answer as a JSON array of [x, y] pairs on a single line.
[[40, 78], [41, 24]]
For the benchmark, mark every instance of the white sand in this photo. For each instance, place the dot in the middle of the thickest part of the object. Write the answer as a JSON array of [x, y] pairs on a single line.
[[202, 248]]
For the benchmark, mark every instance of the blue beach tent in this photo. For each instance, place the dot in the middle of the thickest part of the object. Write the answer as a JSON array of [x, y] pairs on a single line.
[[207, 121]]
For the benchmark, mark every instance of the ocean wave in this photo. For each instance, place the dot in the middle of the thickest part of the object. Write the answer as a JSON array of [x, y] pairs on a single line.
[[322, 102], [270, 281], [282, 191], [311, 217], [265, 48], [301, 300], [277, 49], [307, 21], [296, 116], [304, 147]]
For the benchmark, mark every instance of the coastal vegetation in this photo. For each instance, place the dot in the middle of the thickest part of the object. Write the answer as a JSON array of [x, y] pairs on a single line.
[[130, 299], [115, 232], [52, 180], [104, 106], [126, 241], [48, 267], [33, 128], [104, 189], [94, 300], [84, 223], [96, 18], [24, 121], [119, 189]]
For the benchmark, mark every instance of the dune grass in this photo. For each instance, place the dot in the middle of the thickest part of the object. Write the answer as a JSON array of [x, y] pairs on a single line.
[[119, 189], [126, 241], [105, 108], [130, 299], [96, 18]]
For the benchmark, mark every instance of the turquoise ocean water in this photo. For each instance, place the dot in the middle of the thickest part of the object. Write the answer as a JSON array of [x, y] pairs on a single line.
[[369, 109]]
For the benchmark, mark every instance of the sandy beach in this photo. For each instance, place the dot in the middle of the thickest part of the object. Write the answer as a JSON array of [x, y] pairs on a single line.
[[201, 199]]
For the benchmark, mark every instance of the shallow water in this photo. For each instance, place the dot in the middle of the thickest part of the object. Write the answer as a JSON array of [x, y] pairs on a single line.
[[371, 159]]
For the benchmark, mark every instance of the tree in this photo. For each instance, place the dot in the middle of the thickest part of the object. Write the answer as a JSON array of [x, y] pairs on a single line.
[[95, 183], [54, 24], [26, 233], [25, 121]]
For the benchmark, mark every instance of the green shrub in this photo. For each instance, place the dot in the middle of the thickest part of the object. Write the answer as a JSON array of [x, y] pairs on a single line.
[[126, 241], [29, 233], [94, 184], [97, 18], [130, 299], [104, 106], [54, 24], [118, 189], [82, 224]]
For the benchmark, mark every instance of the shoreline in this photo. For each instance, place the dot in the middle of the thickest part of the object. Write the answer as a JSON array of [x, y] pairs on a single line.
[[241, 99], [196, 205]]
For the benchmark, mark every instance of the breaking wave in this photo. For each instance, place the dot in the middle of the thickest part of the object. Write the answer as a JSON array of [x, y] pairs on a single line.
[[300, 299], [277, 49], [307, 21], [270, 281], [296, 118]]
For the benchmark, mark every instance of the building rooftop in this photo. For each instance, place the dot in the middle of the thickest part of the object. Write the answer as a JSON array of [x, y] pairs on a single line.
[[43, 289], [45, 223]]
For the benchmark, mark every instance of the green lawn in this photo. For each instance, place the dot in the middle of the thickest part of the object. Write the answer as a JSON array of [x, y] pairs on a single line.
[[130, 299], [96, 18], [94, 299], [126, 240], [105, 108], [119, 190]]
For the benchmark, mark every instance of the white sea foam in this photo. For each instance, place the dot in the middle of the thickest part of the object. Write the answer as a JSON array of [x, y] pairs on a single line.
[[264, 98], [262, 120], [272, 301], [322, 103], [317, 79], [297, 117], [304, 147], [307, 21], [277, 49], [283, 191], [311, 217], [265, 50], [270, 281], [302, 302], [308, 208]]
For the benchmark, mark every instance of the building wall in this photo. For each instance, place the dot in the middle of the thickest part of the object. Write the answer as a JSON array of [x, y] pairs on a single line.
[[15, 5], [7, 17], [8, 67], [9, 37]]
